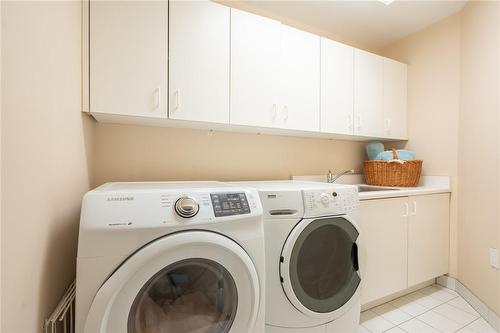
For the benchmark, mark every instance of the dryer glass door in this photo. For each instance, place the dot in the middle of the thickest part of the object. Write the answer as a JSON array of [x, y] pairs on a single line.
[[188, 296], [320, 264], [192, 281]]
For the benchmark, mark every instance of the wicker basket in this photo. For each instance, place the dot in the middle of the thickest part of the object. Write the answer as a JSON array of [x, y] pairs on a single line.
[[393, 173]]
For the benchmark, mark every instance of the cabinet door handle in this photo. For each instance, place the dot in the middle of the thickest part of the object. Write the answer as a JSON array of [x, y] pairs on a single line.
[[157, 97], [275, 111], [349, 121], [358, 118], [176, 100], [285, 110], [388, 126], [407, 209], [414, 208]]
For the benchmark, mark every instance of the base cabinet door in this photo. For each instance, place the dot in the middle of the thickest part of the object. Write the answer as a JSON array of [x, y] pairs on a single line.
[[383, 243], [128, 57], [428, 237], [199, 61]]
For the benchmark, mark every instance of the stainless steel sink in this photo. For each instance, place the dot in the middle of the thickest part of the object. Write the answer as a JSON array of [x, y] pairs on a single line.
[[369, 188]]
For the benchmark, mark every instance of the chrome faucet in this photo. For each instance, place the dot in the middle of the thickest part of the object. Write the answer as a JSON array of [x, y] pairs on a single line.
[[330, 178]]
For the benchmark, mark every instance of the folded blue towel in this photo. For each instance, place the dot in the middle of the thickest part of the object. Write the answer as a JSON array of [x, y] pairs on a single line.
[[403, 154], [374, 149]]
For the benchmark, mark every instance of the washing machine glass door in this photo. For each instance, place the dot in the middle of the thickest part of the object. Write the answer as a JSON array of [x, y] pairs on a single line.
[[186, 296], [187, 282], [319, 266]]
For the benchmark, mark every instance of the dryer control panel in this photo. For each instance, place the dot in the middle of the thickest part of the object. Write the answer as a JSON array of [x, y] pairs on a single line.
[[228, 204], [159, 205], [332, 201], [117, 218], [196, 207]]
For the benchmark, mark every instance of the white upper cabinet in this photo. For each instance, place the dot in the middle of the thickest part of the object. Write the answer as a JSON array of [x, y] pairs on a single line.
[[299, 80], [395, 99], [274, 74], [207, 64], [199, 61], [368, 94], [337, 90], [128, 57], [255, 56]]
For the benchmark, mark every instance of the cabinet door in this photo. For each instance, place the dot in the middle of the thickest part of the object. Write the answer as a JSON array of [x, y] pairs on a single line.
[[128, 57], [299, 80], [428, 237], [368, 99], [199, 61], [337, 90], [383, 243], [395, 99], [255, 56]]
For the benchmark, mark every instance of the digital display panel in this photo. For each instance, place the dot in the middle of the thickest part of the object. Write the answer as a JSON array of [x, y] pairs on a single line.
[[227, 204]]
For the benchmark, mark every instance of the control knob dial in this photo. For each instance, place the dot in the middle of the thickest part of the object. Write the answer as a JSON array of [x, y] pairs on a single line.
[[186, 207], [325, 199]]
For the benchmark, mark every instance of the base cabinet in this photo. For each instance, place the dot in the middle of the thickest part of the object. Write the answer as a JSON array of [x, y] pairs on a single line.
[[428, 237], [404, 242], [383, 245]]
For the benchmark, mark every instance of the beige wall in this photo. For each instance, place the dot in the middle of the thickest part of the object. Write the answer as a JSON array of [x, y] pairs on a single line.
[[433, 57], [479, 144], [453, 106], [44, 157], [126, 153], [0, 169]]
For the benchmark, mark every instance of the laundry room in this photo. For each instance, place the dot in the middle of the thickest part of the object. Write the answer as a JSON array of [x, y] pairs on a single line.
[[250, 166]]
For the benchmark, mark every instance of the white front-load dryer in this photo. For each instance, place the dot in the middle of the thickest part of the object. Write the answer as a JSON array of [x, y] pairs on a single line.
[[170, 257], [312, 268]]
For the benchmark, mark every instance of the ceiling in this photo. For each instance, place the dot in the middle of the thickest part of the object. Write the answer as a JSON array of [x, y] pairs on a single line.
[[369, 23]]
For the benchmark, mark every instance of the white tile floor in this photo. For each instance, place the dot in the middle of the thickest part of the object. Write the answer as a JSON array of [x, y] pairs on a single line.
[[428, 310]]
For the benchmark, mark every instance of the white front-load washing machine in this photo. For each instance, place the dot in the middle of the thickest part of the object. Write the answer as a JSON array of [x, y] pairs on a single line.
[[312, 270], [170, 257]]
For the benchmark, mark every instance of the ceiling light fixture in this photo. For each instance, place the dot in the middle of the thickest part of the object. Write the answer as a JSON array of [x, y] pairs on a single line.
[[386, 2]]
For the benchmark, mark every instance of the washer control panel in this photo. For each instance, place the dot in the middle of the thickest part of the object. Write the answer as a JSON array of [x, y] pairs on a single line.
[[228, 204], [332, 201]]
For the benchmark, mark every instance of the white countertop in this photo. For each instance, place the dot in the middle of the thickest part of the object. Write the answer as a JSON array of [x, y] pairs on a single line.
[[428, 185]]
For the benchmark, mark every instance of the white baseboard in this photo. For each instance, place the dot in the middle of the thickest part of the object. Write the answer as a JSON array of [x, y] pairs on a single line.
[[488, 314], [391, 297], [447, 282]]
